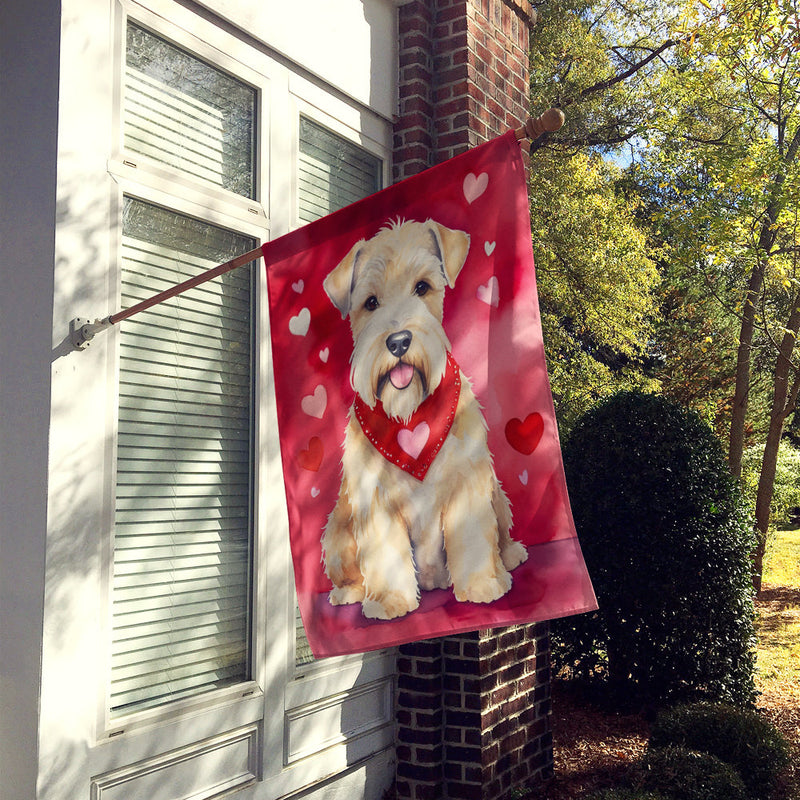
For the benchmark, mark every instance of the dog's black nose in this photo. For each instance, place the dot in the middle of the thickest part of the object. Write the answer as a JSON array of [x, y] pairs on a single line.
[[398, 343]]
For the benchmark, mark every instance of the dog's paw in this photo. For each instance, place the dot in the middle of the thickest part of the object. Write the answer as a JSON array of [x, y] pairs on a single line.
[[484, 589], [434, 577], [389, 606], [513, 555], [344, 595]]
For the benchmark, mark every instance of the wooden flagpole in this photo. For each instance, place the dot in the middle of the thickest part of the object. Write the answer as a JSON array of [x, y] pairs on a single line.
[[82, 331], [534, 127], [179, 288]]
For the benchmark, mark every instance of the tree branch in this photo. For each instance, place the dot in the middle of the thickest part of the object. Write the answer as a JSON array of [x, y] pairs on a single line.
[[601, 86]]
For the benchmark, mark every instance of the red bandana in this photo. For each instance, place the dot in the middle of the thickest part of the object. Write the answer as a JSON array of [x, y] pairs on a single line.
[[412, 446]]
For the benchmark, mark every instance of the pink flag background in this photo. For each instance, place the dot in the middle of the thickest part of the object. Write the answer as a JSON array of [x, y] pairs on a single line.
[[491, 317]]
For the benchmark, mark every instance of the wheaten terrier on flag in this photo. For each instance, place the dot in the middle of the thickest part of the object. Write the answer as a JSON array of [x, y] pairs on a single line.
[[420, 506]]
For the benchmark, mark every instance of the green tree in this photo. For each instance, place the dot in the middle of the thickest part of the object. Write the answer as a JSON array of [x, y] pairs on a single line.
[[724, 155], [597, 279], [705, 97]]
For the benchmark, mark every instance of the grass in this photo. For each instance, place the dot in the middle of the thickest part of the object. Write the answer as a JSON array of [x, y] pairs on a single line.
[[778, 624], [782, 559], [778, 648]]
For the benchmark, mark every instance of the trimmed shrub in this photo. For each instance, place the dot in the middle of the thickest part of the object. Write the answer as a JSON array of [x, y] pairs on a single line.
[[667, 539], [683, 774], [741, 738]]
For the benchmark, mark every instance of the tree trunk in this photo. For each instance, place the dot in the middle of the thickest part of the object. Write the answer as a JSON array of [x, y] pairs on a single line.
[[766, 240], [742, 388], [784, 398]]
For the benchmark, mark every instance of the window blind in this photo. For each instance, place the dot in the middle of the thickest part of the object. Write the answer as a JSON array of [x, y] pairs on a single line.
[[182, 540], [332, 173], [187, 114]]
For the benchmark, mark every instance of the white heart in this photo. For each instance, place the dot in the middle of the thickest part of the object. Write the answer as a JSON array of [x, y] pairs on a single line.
[[323, 355], [523, 477], [475, 186], [314, 491], [314, 404], [412, 442], [488, 247], [490, 293], [298, 286], [299, 325]]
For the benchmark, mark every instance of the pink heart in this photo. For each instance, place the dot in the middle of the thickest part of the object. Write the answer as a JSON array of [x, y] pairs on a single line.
[[298, 286], [523, 477], [412, 442], [475, 186], [488, 247], [323, 355], [314, 491], [314, 404], [490, 293], [299, 325]]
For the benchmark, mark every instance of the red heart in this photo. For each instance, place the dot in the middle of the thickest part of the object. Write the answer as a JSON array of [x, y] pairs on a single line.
[[311, 458], [524, 436]]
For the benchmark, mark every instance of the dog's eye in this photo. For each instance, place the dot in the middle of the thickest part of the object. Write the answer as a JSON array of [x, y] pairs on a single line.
[[371, 303], [422, 288]]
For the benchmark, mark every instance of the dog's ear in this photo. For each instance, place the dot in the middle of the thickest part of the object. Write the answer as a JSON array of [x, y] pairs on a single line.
[[453, 247], [340, 280]]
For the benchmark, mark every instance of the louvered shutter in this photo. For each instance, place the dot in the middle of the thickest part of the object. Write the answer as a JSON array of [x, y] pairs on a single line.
[[332, 173]]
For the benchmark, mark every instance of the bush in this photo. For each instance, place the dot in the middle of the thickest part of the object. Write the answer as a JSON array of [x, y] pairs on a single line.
[[743, 739], [666, 539], [683, 774]]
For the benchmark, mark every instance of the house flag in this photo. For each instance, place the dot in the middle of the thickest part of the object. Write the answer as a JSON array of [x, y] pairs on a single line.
[[421, 461]]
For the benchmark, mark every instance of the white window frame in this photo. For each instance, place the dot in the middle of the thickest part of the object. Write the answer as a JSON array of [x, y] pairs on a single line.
[[281, 698], [137, 177], [327, 729]]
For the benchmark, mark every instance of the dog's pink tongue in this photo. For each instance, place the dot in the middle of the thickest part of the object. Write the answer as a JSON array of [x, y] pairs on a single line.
[[401, 375]]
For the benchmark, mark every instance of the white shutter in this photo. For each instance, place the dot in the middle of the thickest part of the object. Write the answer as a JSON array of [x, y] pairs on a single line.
[[186, 114], [332, 173], [182, 542]]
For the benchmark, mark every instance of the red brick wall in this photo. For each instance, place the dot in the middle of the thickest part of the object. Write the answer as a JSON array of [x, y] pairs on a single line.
[[473, 714], [473, 711], [463, 77]]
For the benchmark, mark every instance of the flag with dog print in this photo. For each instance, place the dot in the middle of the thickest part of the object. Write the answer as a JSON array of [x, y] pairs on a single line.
[[421, 462]]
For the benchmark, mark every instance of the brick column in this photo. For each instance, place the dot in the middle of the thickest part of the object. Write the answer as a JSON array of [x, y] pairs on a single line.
[[463, 77], [473, 714], [473, 711], [497, 711]]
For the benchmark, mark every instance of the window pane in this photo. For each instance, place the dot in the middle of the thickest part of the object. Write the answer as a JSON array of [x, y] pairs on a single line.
[[182, 541], [182, 112], [333, 173]]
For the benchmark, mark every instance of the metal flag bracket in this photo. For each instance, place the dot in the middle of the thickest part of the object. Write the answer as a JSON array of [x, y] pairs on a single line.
[[82, 330]]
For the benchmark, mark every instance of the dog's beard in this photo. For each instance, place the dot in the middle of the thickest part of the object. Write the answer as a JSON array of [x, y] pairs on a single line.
[[400, 384]]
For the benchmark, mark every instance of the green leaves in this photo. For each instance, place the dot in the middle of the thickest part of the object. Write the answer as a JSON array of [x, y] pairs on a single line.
[[595, 277], [666, 540]]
